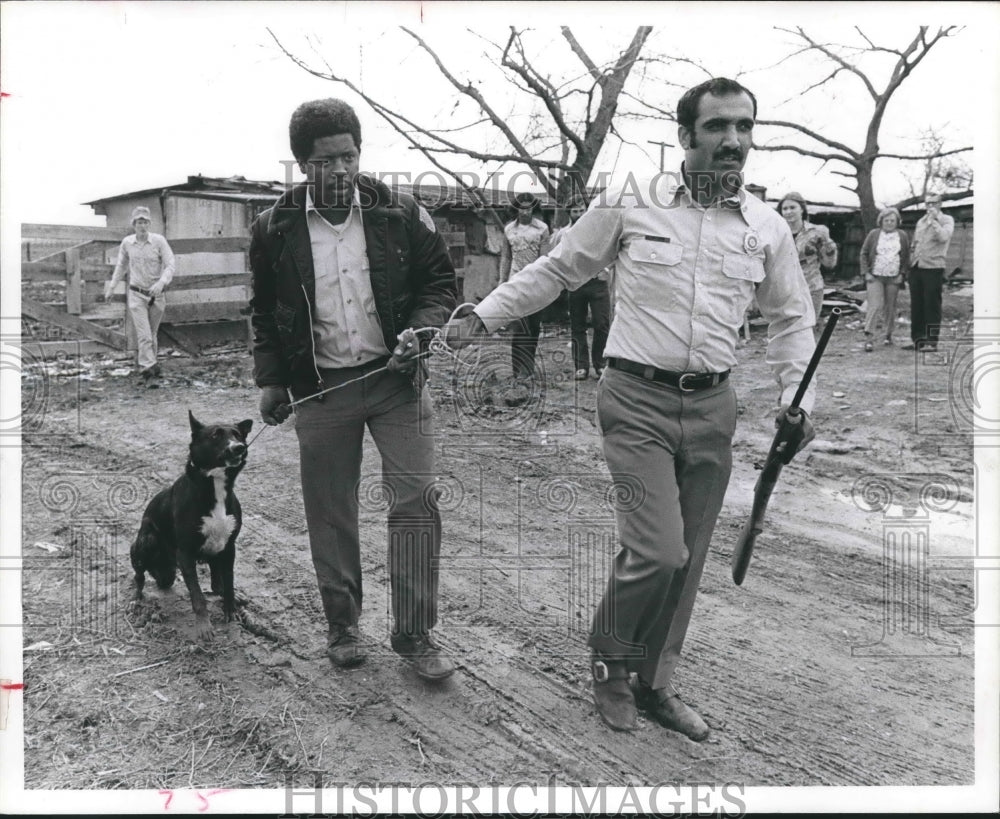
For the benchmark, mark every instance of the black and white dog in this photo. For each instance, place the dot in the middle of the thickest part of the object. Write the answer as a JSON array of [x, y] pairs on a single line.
[[196, 520]]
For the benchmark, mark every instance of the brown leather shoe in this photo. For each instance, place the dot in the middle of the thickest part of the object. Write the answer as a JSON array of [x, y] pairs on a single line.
[[424, 654], [612, 695], [671, 712], [344, 647]]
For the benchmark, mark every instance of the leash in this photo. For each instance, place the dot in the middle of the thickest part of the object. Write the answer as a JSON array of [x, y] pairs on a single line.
[[436, 345]]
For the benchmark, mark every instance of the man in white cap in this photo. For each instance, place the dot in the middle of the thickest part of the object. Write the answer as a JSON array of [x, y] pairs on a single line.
[[149, 262]]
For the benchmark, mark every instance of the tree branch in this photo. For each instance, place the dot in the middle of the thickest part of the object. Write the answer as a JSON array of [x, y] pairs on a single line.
[[470, 91], [537, 164], [835, 57], [923, 157], [595, 72], [806, 152], [394, 118], [611, 90], [945, 197], [540, 91], [830, 143], [817, 84]]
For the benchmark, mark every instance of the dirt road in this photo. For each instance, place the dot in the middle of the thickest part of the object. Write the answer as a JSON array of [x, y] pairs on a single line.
[[844, 659]]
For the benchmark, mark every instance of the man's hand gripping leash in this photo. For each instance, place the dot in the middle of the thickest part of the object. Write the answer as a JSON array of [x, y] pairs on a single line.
[[275, 406], [794, 432]]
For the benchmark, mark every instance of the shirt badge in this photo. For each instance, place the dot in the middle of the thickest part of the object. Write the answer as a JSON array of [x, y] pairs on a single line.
[[751, 241]]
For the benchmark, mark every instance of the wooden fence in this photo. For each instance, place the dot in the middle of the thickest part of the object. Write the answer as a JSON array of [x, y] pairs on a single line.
[[203, 305], [207, 301]]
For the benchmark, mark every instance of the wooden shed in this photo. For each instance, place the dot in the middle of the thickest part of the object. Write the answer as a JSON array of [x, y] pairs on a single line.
[[207, 207]]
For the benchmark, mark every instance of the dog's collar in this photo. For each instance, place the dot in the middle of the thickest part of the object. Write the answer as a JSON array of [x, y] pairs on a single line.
[[208, 472]]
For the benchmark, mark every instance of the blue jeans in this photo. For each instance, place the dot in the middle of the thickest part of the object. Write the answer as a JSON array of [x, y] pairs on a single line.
[[330, 434]]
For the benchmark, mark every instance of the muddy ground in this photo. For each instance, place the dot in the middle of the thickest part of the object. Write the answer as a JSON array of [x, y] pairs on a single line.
[[845, 658]]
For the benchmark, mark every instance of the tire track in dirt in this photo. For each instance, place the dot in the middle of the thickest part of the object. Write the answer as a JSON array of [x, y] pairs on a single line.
[[769, 664], [815, 705], [283, 600], [460, 715]]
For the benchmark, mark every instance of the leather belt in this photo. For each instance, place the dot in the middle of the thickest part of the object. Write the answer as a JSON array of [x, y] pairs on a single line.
[[685, 382], [139, 290]]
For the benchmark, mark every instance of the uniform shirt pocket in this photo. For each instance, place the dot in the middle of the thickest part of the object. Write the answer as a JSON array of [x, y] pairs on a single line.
[[742, 266], [652, 252], [740, 275], [652, 276]]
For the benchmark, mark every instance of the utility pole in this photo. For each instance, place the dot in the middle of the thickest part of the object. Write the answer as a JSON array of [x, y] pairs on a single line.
[[662, 146]]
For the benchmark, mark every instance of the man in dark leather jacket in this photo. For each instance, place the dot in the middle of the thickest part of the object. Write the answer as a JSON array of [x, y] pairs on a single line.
[[342, 266]]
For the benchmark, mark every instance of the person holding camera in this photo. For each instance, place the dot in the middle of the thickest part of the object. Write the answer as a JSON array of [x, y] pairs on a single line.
[[931, 238]]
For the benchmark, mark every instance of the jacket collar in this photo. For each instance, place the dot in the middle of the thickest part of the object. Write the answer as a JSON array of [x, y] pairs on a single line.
[[372, 196]]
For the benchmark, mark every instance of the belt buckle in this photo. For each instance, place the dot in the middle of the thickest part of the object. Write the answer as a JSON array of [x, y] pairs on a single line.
[[680, 382], [600, 671]]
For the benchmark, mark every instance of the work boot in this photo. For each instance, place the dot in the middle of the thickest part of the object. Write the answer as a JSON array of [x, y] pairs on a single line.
[[670, 711], [344, 646], [150, 377], [612, 695], [424, 655]]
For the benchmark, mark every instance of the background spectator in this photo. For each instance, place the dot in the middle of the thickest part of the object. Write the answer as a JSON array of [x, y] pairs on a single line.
[[884, 259]]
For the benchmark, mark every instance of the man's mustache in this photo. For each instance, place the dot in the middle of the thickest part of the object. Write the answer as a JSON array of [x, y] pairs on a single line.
[[728, 153]]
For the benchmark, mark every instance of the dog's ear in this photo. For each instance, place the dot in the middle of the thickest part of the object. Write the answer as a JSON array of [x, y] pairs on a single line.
[[244, 427], [196, 425]]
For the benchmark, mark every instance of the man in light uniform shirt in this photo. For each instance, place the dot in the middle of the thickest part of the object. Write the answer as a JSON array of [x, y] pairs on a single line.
[[690, 251], [149, 262]]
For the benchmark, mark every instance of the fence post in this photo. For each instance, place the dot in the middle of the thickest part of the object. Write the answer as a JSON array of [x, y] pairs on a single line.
[[73, 281], [249, 294]]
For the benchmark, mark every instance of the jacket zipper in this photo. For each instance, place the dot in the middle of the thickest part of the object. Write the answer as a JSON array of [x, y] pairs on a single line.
[[312, 338]]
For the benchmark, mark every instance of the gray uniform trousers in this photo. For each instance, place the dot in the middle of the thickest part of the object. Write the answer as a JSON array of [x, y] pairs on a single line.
[[670, 453], [330, 435]]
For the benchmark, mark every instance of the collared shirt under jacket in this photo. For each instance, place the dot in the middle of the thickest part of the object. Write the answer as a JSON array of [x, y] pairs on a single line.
[[409, 270], [345, 322]]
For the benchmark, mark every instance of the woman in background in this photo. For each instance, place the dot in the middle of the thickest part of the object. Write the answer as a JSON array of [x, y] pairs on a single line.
[[885, 256], [816, 248]]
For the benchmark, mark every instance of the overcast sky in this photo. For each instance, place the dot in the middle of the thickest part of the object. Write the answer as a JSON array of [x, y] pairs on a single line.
[[107, 97]]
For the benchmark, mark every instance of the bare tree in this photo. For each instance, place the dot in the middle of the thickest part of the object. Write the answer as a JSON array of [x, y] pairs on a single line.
[[569, 121], [940, 172], [844, 59]]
